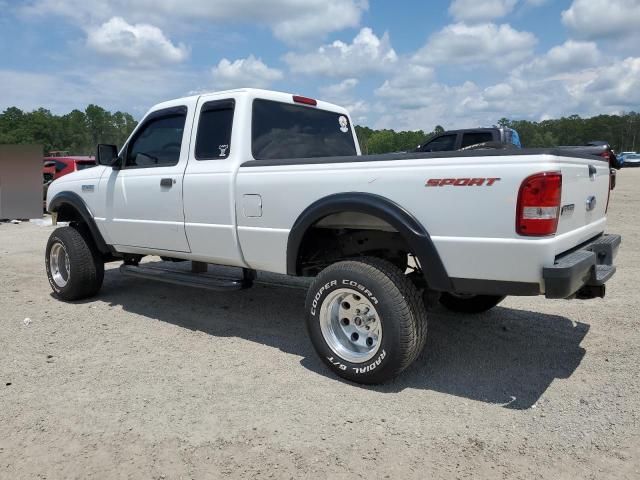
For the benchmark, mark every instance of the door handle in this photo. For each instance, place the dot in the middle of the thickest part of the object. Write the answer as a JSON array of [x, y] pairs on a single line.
[[167, 182]]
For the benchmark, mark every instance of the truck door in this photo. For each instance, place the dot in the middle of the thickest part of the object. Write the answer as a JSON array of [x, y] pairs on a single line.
[[144, 198], [209, 181]]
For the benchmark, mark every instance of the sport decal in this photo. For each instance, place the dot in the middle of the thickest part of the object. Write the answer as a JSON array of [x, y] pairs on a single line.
[[461, 182]]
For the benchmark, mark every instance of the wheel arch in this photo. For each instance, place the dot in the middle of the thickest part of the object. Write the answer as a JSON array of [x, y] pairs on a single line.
[[70, 207], [415, 235]]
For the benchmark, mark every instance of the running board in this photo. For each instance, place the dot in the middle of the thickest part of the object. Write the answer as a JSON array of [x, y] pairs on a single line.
[[198, 280]]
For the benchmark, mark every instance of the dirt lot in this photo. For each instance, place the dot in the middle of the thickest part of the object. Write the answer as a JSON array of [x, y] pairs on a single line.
[[156, 381]]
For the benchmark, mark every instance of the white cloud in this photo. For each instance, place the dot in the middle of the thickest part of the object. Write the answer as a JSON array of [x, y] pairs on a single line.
[[574, 77], [570, 57], [315, 18], [367, 53], [615, 86], [338, 89], [244, 72], [140, 42], [131, 89], [290, 20], [343, 93], [472, 45], [602, 18], [413, 99], [406, 88], [474, 10]]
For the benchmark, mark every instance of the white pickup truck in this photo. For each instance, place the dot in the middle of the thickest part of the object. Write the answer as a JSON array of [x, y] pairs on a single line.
[[275, 182]]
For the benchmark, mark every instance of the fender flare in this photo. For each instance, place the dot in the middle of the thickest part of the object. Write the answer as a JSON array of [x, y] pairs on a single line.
[[76, 202], [404, 222]]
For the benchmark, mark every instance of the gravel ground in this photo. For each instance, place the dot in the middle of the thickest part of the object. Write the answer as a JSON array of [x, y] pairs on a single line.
[[156, 381]]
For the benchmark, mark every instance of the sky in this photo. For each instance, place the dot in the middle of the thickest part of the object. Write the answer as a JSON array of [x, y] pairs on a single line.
[[404, 64]]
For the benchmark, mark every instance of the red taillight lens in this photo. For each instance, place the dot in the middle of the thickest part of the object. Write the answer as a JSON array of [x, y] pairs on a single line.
[[539, 204], [305, 100]]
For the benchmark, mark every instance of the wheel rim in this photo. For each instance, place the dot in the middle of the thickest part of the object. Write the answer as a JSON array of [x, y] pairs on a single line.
[[350, 325], [59, 265]]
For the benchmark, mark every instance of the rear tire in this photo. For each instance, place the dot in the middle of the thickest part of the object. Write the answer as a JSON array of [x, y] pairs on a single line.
[[366, 319], [74, 267], [469, 303]]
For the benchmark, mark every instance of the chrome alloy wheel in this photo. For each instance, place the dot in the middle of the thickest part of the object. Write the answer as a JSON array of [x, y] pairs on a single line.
[[350, 325], [59, 265]]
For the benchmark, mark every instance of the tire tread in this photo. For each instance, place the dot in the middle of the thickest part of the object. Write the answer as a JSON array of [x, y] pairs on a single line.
[[411, 313], [87, 269]]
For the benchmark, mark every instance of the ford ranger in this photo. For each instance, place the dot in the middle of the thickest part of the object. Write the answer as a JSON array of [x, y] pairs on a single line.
[[267, 181]]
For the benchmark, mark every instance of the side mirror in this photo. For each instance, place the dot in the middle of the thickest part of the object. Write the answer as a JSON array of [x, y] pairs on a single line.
[[107, 155]]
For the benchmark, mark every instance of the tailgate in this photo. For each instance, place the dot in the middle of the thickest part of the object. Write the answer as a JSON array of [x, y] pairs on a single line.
[[585, 193]]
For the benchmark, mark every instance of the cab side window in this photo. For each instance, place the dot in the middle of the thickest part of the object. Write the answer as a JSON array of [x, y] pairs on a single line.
[[213, 141], [158, 142], [444, 143]]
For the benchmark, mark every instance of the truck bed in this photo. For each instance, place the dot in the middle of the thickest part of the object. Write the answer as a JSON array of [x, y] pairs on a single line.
[[473, 229]]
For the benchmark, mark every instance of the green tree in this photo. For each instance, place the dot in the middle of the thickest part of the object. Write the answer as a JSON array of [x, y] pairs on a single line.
[[79, 132], [382, 141]]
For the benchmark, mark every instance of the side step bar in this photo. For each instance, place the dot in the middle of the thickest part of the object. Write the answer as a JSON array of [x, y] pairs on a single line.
[[199, 280]]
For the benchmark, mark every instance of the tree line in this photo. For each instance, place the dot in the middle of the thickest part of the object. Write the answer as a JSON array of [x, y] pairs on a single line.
[[621, 131], [78, 132]]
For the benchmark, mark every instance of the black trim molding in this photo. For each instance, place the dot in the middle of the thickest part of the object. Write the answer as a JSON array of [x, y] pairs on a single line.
[[75, 201], [494, 287], [404, 222]]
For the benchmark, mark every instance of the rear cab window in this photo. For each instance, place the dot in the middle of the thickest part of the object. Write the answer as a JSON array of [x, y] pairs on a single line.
[[474, 138], [213, 140], [282, 130]]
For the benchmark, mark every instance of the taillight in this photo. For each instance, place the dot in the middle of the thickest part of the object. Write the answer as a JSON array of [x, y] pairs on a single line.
[[539, 204]]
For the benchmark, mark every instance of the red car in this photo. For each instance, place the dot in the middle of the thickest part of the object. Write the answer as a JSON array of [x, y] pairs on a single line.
[[56, 167]]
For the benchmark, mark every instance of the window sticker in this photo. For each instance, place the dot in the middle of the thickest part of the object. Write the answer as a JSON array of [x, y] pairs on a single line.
[[344, 124]]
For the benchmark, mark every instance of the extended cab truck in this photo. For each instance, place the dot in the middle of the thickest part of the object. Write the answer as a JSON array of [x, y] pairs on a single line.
[[472, 138], [269, 181]]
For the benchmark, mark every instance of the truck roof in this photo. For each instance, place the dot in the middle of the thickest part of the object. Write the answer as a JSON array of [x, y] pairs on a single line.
[[249, 92], [466, 130]]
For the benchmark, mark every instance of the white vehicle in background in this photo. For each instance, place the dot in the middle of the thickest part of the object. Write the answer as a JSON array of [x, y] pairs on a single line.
[[631, 160], [270, 181]]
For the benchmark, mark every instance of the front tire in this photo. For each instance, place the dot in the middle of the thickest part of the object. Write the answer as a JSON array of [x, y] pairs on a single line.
[[74, 268], [469, 303], [366, 319]]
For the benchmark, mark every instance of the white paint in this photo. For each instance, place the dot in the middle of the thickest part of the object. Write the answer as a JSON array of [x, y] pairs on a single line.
[[202, 218]]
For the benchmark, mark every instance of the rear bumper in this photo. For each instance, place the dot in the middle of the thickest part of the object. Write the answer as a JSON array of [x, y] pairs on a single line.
[[583, 272]]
